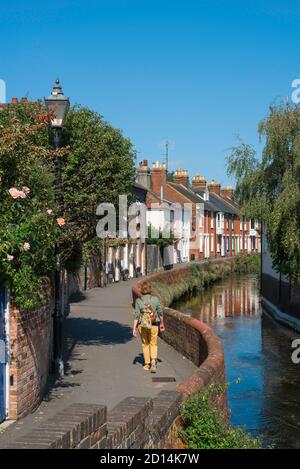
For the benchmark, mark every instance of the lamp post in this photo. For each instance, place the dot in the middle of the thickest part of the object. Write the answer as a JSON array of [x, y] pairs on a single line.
[[57, 105]]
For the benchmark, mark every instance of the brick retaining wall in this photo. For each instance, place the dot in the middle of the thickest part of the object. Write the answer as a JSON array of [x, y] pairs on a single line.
[[31, 336]]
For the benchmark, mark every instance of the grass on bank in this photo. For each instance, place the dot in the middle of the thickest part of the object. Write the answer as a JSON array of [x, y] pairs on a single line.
[[205, 428], [248, 263], [200, 276]]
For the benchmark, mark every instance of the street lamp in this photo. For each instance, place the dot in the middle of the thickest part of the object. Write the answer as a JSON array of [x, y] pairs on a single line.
[[58, 105]]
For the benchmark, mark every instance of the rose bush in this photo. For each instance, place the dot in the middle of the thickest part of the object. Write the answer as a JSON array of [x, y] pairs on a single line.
[[27, 232]]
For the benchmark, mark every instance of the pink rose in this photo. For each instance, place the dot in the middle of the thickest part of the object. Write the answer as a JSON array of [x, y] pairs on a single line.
[[26, 246], [9, 257], [15, 193], [26, 190], [61, 221], [50, 211]]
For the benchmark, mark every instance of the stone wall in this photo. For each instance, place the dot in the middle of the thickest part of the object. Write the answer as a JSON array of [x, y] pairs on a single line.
[[31, 337]]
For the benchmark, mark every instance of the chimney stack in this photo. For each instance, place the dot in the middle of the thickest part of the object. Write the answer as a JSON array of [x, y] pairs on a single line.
[[227, 192], [158, 178], [214, 187], [24, 99], [199, 182], [181, 176], [143, 175], [14, 100]]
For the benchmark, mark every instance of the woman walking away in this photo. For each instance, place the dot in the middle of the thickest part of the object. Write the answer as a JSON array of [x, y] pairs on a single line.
[[148, 318]]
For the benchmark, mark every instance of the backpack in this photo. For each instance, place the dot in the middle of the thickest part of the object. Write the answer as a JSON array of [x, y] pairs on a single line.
[[148, 316]]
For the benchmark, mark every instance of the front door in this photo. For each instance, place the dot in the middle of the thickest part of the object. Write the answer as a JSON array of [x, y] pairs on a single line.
[[2, 353]]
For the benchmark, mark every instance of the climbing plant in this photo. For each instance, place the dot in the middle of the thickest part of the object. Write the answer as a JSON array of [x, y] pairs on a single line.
[[29, 227], [159, 238]]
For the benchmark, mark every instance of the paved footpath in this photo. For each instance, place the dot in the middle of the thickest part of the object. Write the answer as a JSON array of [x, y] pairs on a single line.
[[104, 361]]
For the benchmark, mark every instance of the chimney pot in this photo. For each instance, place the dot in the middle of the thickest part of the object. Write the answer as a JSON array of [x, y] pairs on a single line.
[[199, 182], [14, 100], [143, 174], [158, 177], [181, 176], [227, 192], [214, 187]]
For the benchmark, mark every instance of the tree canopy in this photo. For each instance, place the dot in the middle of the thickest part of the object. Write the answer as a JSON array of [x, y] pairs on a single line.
[[269, 189], [97, 166]]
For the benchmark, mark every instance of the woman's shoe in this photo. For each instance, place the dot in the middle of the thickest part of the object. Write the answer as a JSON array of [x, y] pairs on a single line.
[[146, 367], [153, 366]]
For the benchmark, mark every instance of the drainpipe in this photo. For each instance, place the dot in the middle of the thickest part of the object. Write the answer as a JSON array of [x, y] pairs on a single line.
[[85, 276]]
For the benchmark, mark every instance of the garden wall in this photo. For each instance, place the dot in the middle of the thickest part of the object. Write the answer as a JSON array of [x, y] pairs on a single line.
[[31, 338]]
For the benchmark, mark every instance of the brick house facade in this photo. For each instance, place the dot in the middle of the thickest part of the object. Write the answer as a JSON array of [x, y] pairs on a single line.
[[219, 230]]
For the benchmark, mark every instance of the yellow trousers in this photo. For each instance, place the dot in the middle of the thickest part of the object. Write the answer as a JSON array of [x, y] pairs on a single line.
[[149, 343]]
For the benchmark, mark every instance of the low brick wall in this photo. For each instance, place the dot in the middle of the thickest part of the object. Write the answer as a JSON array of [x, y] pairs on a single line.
[[31, 337], [136, 422]]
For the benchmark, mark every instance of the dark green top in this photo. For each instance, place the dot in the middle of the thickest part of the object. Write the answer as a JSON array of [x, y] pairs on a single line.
[[146, 300]]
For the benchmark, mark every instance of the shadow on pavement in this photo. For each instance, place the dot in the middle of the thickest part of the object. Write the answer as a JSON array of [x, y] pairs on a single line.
[[87, 331], [140, 359]]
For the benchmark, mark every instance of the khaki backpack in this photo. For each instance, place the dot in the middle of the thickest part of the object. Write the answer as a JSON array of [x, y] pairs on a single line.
[[148, 316]]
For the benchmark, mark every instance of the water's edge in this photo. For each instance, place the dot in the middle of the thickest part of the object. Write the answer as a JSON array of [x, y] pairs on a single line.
[[264, 390]]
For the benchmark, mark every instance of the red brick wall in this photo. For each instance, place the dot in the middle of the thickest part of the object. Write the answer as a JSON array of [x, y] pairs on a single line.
[[136, 422], [31, 333]]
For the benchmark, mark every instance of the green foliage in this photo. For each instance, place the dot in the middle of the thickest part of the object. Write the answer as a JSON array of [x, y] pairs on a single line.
[[158, 237], [98, 168], [270, 189], [245, 167], [27, 232], [170, 176], [247, 263], [205, 428], [198, 277]]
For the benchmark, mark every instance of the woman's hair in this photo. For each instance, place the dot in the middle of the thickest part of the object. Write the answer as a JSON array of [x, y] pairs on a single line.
[[146, 288]]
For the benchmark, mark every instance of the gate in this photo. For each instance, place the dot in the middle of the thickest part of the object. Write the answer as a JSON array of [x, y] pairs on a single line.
[[3, 353]]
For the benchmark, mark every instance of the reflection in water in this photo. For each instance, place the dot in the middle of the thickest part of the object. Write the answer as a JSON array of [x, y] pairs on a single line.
[[258, 351]]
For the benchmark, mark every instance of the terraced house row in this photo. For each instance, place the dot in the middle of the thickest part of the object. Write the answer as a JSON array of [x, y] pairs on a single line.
[[215, 227], [211, 227]]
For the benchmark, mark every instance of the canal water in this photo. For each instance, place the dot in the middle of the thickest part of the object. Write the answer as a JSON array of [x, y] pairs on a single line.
[[264, 389]]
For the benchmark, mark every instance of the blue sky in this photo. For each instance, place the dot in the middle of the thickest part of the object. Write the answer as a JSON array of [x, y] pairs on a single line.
[[194, 72]]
